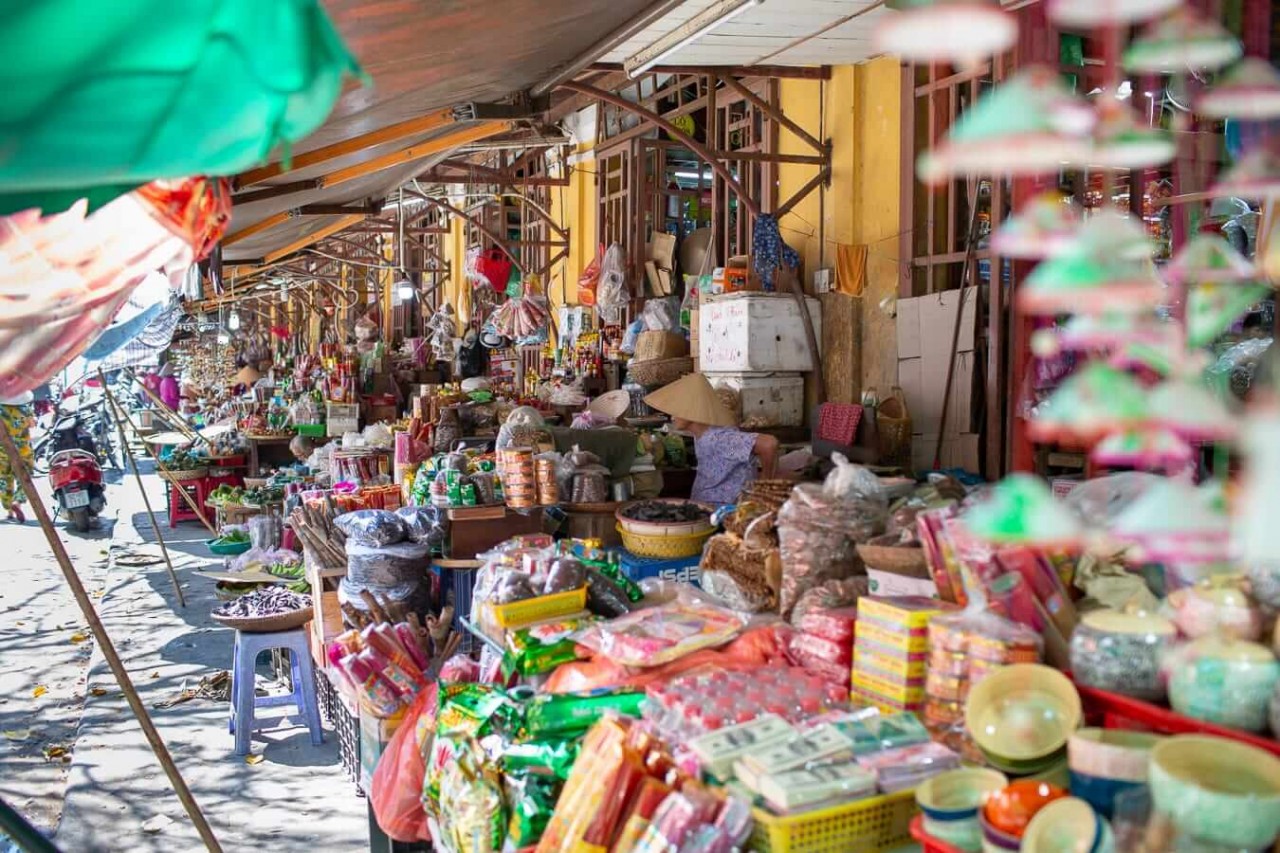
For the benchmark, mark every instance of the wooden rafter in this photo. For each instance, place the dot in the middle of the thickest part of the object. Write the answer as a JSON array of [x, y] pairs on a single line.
[[484, 229], [316, 236], [435, 145], [256, 228], [772, 111], [817, 72], [412, 127]]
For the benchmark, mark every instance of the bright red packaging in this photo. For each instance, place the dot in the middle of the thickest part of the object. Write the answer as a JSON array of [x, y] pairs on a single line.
[[831, 651], [832, 673], [832, 623]]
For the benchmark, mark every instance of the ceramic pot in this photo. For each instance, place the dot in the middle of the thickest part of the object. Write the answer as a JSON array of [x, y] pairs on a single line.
[[1218, 791], [1202, 610], [1120, 652], [1223, 681]]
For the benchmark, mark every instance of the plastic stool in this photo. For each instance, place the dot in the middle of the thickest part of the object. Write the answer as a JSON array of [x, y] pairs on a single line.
[[179, 510], [302, 680]]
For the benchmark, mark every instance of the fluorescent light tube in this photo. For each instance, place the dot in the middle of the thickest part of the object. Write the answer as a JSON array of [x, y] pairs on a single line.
[[687, 33]]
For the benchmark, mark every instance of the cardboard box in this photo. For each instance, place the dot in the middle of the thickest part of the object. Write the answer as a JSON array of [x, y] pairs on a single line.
[[660, 254], [375, 734], [891, 583], [925, 326]]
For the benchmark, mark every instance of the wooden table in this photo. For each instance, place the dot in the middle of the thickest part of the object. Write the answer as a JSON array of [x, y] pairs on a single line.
[[273, 451]]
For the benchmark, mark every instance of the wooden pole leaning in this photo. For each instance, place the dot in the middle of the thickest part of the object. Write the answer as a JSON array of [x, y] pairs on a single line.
[[160, 466], [133, 463], [180, 788]]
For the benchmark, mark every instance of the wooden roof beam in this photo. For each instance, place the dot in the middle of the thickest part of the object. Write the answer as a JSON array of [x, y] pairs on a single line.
[[391, 133], [444, 142], [796, 72], [315, 237]]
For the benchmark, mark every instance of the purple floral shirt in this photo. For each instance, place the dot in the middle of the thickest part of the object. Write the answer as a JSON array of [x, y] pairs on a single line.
[[725, 464]]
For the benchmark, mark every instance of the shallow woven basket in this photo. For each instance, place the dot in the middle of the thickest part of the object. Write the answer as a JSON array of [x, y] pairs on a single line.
[[894, 558], [255, 482], [267, 624], [182, 476], [669, 547], [659, 371]]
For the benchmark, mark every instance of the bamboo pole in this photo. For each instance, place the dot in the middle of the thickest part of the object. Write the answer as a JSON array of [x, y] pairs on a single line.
[[133, 463], [167, 414], [180, 788], [191, 502]]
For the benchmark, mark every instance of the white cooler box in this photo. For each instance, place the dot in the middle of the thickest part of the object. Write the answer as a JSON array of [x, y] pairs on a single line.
[[768, 400], [755, 333]]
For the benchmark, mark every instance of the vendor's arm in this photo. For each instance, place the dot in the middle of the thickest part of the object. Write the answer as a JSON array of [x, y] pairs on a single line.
[[766, 448]]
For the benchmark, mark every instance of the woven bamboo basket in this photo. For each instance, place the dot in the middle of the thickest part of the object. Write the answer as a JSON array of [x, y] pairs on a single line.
[[183, 476], [267, 624], [659, 371], [903, 559]]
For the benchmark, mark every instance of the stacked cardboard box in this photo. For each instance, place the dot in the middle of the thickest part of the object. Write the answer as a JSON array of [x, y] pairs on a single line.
[[890, 650]]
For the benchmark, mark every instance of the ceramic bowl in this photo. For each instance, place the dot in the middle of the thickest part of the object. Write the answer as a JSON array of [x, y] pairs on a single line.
[[1067, 825], [950, 802], [1120, 652], [1100, 792], [1218, 791], [1025, 768], [1111, 754], [1202, 610], [1275, 711], [1022, 712], [995, 840], [1223, 681], [1011, 808]]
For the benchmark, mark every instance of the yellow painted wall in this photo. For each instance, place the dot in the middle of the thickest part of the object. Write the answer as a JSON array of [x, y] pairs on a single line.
[[574, 208], [862, 106]]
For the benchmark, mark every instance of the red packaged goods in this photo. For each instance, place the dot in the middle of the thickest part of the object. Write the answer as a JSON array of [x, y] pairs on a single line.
[[833, 623], [820, 647], [832, 673]]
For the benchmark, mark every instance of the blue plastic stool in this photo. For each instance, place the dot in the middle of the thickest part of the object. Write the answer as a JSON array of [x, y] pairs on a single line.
[[302, 681]]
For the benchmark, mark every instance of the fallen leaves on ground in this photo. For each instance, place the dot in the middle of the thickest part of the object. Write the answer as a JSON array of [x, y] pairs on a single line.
[[17, 734], [98, 691], [54, 752], [253, 759], [39, 691], [79, 637]]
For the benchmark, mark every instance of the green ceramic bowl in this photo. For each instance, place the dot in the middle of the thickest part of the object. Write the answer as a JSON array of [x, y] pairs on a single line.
[[1218, 791], [1022, 713]]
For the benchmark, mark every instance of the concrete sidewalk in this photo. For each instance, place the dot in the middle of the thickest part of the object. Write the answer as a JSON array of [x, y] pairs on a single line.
[[295, 798]]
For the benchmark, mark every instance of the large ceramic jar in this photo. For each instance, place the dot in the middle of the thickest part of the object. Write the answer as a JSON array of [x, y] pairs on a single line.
[[1223, 681], [1120, 652]]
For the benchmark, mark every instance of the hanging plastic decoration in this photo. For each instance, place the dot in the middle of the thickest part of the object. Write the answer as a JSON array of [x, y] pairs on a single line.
[[1256, 175], [88, 265], [1209, 258], [1212, 308], [1093, 402], [1101, 13], [1144, 449], [1177, 523], [1030, 124], [1250, 89], [1184, 41], [1021, 510], [1103, 333], [1119, 142], [1042, 228], [1113, 234], [1087, 282], [1259, 496], [202, 87], [962, 32], [1187, 408]]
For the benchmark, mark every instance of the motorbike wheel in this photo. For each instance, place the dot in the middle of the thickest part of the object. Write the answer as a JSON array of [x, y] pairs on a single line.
[[40, 455], [79, 519]]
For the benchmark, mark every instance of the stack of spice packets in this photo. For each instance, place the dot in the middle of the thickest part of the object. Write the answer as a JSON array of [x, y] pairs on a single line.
[[964, 648], [823, 643], [890, 650]]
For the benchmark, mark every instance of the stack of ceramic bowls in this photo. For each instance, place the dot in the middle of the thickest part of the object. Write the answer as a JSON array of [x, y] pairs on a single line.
[[1106, 763], [1008, 813], [951, 801], [1120, 652], [1020, 718], [1217, 791], [1223, 681], [1068, 825]]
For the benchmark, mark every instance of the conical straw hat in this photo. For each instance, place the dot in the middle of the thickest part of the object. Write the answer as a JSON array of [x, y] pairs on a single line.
[[692, 398]]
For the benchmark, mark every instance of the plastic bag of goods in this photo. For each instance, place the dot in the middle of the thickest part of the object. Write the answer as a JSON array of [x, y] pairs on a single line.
[[817, 535], [387, 565], [371, 528]]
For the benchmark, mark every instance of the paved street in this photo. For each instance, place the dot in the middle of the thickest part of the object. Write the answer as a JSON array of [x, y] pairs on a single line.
[[111, 795]]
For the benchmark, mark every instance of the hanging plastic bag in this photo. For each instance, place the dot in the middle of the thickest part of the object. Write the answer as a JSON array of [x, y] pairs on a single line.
[[612, 295], [395, 792], [590, 280], [495, 266]]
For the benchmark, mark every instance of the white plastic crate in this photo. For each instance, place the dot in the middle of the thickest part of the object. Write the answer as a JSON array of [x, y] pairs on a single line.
[[771, 400]]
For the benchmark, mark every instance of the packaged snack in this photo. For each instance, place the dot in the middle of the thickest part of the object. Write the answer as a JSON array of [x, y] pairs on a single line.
[[658, 635], [833, 673], [472, 815], [554, 756], [565, 573], [532, 800], [817, 533], [821, 648], [604, 597], [540, 648], [567, 714], [833, 623]]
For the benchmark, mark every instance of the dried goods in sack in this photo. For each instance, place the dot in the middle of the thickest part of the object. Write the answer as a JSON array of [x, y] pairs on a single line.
[[817, 534]]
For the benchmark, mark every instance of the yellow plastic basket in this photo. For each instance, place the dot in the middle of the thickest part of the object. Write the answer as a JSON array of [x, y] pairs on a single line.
[[668, 547], [862, 826], [520, 613]]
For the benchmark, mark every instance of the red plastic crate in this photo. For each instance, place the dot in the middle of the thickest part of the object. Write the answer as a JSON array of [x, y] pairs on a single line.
[[1113, 711], [927, 841]]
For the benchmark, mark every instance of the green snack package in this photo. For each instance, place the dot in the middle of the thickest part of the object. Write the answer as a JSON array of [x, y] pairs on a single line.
[[552, 757], [532, 798], [465, 711], [568, 714], [614, 573], [472, 815], [540, 648]]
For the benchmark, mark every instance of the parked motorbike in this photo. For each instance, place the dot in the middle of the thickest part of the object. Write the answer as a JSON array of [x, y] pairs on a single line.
[[76, 478], [87, 428]]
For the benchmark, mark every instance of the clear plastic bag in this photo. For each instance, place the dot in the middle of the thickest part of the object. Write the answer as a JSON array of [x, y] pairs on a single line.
[[661, 634], [372, 528], [723, 587], [853, 483], [661, 315], [265, 531], [387, 565], [817, 535], [424, 524]]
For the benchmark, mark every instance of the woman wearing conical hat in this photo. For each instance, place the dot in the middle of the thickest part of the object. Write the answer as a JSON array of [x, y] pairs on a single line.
[[726, 455]]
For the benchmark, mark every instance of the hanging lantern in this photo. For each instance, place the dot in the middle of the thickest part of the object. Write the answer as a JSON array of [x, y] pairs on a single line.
[[1183, 41], [963, 32], [1091, 403], [1120, 143], [1187, 408], [1143, 448], [1256, 175], [1250, 89], [1177, 523], [1028, 125], [1103, 13], [1043, 227], [1021, 510], [1087, 282]]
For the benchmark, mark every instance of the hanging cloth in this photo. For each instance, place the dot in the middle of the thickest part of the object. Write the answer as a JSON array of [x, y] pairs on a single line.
[[144, 89], [769, 251]]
